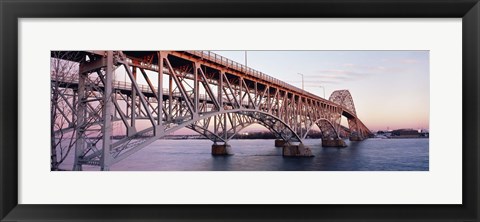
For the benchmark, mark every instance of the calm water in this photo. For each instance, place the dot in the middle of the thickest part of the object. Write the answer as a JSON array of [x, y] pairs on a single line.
[[261, 155]]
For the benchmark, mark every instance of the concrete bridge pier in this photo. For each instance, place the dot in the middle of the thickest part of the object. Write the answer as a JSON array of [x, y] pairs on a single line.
[[280, 143], [221, 149], [299, 150], [333, 142], [356, 138]]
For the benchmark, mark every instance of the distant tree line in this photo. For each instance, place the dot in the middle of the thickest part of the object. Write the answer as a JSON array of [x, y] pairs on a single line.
[[404, 133], [269, 135]]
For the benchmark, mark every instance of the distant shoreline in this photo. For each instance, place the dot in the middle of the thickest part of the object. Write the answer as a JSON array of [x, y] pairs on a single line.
[[405, 138], [305, 138], [402, 137]]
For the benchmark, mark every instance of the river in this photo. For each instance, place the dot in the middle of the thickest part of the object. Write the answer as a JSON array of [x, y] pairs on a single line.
[[261, 155]]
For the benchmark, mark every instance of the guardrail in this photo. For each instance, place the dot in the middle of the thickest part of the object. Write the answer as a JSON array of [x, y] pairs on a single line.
[[121, 85], [213, 57]]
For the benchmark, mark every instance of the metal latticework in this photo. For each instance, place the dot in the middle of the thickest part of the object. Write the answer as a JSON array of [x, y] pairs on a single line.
[[358, 131], [343, 98], [199, 90]]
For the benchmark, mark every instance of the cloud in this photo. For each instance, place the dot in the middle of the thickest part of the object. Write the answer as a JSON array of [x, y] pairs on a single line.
[[348, 72], [403, 61], [336, 75], [322, 83], [409, 61], [313, 83]]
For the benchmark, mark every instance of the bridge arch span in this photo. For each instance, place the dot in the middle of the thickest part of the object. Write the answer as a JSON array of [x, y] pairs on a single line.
[[271, 122], [358, 131], [215, 137], [343, 98], [326, 128]]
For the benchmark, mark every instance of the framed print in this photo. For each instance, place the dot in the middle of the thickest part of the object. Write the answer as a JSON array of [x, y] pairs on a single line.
[[226, 110]]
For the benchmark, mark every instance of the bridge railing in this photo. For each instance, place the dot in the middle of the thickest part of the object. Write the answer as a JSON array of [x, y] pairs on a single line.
[[213, 57], [121, 85], [116, 84]]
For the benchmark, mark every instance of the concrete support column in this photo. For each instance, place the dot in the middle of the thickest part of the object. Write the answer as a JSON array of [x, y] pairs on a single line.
[[299, 150], [221, 149], [280, 143], [333, 143]]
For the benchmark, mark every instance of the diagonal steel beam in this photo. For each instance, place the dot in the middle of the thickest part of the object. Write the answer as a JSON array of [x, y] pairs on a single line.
[[248, 93], [140, 94], [229, 86], [208, 89], [180, 87]]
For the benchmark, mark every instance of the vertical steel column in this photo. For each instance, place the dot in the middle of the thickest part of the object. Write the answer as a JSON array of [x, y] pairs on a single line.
[[215, 128], [299, 114], [134, 98], [220, 90], [240, 92], [268, 99], [74, 101], [170, 93], [80, 127], [287, 108], [196, 91], [225, 126], [127, 108], [256, 96], [220, 102], [160, 89], [107, 114]]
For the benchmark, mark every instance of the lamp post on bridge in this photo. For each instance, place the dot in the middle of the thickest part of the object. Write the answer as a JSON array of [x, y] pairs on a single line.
[[303, 92], [323, 87], [245, 58], [303, 88]]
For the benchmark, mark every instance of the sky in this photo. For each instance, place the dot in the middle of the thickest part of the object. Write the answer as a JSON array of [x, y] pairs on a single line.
[[390, 89]]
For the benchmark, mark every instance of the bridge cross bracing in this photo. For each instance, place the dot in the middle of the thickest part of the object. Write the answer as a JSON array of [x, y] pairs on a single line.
[[200, 90]]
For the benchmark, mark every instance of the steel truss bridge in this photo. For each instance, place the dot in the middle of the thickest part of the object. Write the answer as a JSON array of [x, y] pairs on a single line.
[[199, 90]]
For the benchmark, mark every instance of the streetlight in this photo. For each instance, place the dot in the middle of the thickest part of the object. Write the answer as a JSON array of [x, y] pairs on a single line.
[[303, 91], [302, 81], [245, 58], [323, 87]]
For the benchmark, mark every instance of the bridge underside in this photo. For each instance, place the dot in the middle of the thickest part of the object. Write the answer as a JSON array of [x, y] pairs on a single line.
[[168, 90]]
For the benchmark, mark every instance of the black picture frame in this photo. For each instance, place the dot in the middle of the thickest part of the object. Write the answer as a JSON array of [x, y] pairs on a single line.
[[11, 11]]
